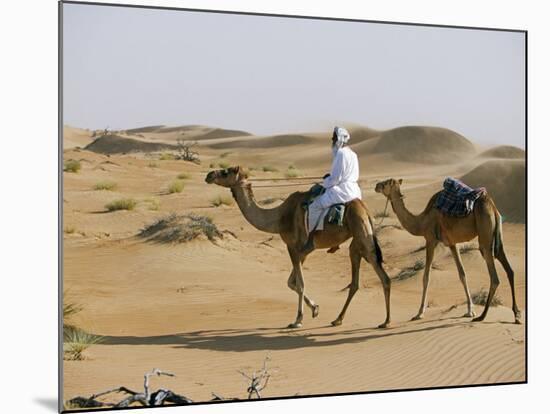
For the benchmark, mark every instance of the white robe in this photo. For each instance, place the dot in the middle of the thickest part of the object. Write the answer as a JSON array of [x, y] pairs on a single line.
[[341, 187]]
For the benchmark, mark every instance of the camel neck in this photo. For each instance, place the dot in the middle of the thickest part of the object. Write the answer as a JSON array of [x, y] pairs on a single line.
[[409, 221], [266, 220]]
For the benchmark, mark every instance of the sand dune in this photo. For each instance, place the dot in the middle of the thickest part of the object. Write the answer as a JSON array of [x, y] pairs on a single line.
[[505, 182], [503, 151], [267, 142], [115, 144], [424, 144], [75, 137], [361, 133], [195, 132], [151, 128]]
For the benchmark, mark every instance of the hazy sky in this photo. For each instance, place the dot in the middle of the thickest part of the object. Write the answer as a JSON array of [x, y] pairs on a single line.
[[127, 67]]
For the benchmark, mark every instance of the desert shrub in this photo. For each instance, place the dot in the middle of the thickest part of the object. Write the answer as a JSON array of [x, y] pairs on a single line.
[[69, 309], [223, 165], [292, 173], [269, 168], [184, 176], [221, 200], [152, 203], [166, 156], [225, 154], [212, 165], [180, 228], [105, 185], [480, 298], [467, 247], [121, 204], [153, 164], [411, 270], [73, 166], [76, 341], [175, 187], [69, 229]]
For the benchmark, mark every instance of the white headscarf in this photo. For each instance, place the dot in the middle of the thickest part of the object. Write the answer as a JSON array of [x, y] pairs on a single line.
[[342, 137]]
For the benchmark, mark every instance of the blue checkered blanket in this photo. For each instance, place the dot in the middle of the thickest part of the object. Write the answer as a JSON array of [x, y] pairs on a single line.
[[457, 199]]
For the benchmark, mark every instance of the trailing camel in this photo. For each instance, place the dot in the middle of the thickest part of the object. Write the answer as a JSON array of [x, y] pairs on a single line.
[[484, 222]]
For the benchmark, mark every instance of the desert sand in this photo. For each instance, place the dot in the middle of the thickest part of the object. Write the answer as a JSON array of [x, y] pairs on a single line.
[[205, 309]]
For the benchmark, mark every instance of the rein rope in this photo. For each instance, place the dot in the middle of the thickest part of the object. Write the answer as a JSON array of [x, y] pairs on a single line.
[[284, 185], [385, 213]]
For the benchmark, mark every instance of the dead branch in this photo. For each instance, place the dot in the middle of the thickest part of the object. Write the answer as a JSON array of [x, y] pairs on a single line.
[[145, 398], [258, 380]]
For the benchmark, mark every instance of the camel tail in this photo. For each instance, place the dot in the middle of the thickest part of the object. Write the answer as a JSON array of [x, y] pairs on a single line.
[[379, 256]]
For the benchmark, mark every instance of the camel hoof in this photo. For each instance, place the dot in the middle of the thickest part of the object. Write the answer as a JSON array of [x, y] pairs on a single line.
[[294, 325], [469, 314], [384, 325], [478, 319], [315, 311], [518, 321], [336, 322], [417, 317]]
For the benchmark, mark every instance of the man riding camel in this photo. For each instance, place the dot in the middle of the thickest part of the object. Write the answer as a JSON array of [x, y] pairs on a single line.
[[338, 187]]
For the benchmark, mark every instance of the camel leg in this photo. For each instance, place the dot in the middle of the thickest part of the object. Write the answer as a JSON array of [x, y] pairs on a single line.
[[299, 287], [355, 257], [501, 257], [386, 283], [488, 256], [430, 247], [309, 302], [462, 275]]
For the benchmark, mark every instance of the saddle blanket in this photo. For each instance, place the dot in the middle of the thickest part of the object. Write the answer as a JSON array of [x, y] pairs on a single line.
[[457, 199], [334, 215]]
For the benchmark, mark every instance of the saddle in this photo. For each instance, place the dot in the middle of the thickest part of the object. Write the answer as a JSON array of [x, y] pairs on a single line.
[[457, 199], [454, 201], [335, 214]]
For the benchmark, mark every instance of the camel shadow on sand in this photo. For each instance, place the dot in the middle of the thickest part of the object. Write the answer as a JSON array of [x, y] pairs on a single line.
[[244, 340]]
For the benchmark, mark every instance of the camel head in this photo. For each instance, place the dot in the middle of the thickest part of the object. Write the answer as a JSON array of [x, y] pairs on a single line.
[[389, 187], [227, 177]]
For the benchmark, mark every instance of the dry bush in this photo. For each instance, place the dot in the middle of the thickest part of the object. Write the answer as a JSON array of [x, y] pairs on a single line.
[[176, 187], [76, 341], [480, 298], [180, 228], [121, 204], [269, 168], [166, 156], [411, 270], [223, 165], [221, 200], [105, 185], [152, 203], [467, 247], [73, 166], [183, 176], [292, 173]]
